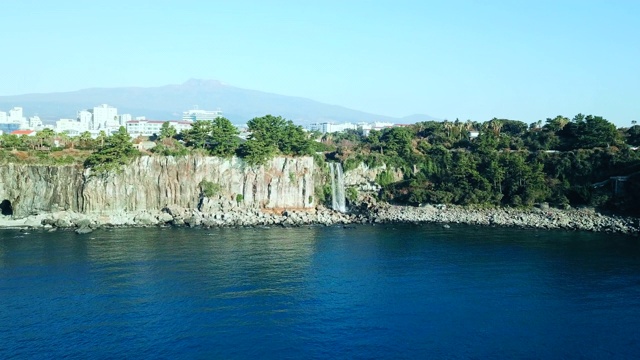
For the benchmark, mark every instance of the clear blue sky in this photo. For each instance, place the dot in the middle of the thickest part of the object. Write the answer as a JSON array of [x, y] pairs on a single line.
[[525, 60]]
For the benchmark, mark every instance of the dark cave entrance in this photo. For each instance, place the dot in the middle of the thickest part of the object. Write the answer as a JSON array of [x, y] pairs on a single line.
[[6, 208]]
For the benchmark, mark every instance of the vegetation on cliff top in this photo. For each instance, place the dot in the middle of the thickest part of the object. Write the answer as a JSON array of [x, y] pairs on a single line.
[[116, 151], [498, 162], [270, 136], [503, 162]]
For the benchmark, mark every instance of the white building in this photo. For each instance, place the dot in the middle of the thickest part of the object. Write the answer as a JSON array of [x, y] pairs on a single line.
[[105, 117], [365, 128], [85, 118], [3, 117], [16, 117], [329, 127], [70, 126], [197, 114], [35, 123], [150, 127], [124, 118]]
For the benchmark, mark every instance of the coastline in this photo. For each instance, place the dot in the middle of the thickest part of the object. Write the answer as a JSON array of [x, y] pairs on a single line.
[[535, 218]]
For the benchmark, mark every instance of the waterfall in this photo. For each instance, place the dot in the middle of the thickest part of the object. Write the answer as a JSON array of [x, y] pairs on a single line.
[[338, 200]]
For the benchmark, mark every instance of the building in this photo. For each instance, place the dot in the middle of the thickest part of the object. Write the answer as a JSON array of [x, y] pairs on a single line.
[[329, 127], [15, 116], [197, 114], [104, 117], [7, 127], [35, 123], [365, 129], [124, 118], [70, 126], [24, 133], [85, 118], [362, 127], [137, 128]]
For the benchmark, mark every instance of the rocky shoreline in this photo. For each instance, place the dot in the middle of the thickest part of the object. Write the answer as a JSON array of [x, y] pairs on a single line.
[[536, 218]]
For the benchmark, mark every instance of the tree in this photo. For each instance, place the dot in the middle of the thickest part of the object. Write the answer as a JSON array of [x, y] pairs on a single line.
[[199, 134], [263, 141], [267, 130], [224, 139], [102, 136], [633, 135], [556, 124], [167, 131], [117, 151], [397, 140], [45, 137], [495, 125], [271, 135], [11, 141], [65, 140], [294, 140], [586, 132], [85, 141], [254, 153]]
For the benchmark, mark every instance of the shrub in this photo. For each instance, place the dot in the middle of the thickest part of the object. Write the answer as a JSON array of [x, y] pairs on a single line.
[[385, 178], [351, 194], [209, 189]]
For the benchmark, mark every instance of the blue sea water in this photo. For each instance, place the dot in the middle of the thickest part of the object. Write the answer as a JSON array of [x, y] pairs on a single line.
[[401, 291]]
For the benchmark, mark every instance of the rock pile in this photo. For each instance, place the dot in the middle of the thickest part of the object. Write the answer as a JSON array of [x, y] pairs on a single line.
[[538, 218]]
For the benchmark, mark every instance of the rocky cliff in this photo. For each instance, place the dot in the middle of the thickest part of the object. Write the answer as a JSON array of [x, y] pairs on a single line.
[[364, 178], [153, 183]]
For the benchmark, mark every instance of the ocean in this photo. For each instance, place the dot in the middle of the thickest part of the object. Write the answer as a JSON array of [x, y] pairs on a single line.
[[363, 292]]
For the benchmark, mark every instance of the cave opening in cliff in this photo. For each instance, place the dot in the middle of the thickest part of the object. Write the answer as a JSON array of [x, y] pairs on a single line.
[[6, 208]]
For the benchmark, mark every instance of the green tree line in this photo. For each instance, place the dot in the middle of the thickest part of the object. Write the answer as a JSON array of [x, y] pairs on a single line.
[[502, 162], [269, 136]]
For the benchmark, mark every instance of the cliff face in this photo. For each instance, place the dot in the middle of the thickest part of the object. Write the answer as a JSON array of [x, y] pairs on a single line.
[[153, 183], [33, 189], [364, 178]]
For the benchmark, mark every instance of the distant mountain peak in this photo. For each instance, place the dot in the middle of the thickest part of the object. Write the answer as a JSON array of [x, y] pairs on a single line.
[[203, 83], [168, 101]]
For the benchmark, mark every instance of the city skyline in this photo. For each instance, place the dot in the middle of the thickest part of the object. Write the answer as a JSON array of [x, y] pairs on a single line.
[[99, 118], [522, 60]]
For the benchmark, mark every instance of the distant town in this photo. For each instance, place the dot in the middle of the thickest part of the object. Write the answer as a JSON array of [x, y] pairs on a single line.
[[105, 119]]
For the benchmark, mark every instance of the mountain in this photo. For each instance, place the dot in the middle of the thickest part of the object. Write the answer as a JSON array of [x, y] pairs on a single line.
[[169, 101]]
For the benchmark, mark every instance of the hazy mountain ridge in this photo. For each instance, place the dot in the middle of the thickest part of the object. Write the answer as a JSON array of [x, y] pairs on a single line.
[[167, 103]]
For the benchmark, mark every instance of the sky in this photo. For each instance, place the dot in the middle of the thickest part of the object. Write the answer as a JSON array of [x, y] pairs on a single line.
[[520, 59]]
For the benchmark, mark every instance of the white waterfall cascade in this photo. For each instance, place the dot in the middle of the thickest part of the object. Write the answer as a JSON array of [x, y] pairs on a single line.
[[338, 199]]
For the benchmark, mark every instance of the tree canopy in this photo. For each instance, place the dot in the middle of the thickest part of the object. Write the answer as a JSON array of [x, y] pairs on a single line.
[[116, 151], [272, 135], [508, 163]]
